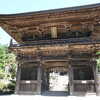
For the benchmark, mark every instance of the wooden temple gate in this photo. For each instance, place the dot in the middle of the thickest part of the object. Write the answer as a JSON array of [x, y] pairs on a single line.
[[65, 39], [33, 70]]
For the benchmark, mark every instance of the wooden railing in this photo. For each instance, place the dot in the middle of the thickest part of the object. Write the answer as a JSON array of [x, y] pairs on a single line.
[[28, 86], [84, 86], [56, 41]]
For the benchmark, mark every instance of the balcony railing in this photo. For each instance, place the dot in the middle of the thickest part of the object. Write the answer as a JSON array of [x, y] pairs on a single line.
[[56, 41]]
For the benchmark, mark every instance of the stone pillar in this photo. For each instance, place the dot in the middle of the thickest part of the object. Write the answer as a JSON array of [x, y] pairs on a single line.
[[18, 75]]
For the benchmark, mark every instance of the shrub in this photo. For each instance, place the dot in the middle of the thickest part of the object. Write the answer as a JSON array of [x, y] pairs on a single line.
[[2, 75], [11, 86], [2, 86]]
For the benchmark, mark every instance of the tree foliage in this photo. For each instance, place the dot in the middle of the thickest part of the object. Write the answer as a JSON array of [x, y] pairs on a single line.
[[7, 62]]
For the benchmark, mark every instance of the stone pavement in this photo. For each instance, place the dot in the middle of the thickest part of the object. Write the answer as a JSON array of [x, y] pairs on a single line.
[[38, 97]]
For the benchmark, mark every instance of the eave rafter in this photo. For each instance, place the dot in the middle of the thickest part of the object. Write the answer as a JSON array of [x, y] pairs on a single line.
[[17, 24], [12, 31]]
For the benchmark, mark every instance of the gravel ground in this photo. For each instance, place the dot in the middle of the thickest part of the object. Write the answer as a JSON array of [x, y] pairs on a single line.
[[38, 97]]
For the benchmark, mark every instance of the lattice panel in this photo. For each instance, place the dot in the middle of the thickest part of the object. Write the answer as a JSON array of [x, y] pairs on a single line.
[[28, 87], [90, 87]]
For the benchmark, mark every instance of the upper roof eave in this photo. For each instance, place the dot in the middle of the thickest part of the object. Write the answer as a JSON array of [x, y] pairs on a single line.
[[5, 19], [53, 10]]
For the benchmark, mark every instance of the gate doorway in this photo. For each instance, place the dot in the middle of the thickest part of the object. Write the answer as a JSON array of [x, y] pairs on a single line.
[[56, 81]]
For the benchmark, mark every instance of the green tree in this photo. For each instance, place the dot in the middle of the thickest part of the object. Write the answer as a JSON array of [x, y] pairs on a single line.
[[7, 69], [7, 63]]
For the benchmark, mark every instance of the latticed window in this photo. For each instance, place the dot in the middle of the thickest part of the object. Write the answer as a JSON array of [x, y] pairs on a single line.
[[83, 74], [29, 73], [73, 34]]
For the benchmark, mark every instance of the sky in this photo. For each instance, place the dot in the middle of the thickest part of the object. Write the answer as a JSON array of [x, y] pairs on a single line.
[[20, 6]]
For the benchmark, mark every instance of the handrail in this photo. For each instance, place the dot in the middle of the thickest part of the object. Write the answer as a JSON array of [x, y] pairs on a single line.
[[57, 41]]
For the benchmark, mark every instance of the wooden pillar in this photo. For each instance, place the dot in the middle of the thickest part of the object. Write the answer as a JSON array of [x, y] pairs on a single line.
[[54, 32], [47, 83], [96, 76], [71, 80], [11, 42], [71, 87], [18, 75], [98, 84], [39, 80], [97, 80]]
